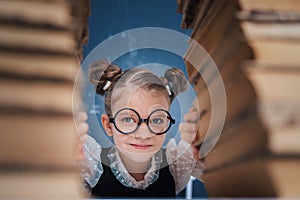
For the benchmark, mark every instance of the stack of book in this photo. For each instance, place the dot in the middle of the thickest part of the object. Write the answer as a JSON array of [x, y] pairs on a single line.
[[40, 53], [257, 152], [272, 29]]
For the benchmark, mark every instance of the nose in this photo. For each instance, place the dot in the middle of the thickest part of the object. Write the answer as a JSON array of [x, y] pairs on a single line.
[[143, 131]]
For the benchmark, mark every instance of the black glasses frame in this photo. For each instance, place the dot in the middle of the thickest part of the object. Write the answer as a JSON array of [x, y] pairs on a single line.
[[172, 121]]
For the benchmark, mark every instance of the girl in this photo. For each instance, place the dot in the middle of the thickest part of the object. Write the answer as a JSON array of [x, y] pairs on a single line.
[[137, 118]]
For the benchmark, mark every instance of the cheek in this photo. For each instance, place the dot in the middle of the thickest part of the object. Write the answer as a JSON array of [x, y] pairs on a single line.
[[159, 140], [119, 138]]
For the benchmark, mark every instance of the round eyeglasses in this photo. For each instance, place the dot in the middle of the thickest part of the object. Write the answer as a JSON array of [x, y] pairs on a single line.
[[128, 120]]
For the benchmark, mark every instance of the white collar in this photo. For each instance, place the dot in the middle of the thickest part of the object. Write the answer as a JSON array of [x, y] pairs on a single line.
[[122, 175]]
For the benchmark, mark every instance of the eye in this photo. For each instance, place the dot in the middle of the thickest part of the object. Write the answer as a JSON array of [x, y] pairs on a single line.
[[128, 120], [157, 121]]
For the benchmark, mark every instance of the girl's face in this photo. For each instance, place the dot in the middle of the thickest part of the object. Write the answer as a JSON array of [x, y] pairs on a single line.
[[140, 145]]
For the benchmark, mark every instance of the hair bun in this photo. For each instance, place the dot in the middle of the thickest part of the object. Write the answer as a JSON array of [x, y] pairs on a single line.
[[176, 80], [101, 72]]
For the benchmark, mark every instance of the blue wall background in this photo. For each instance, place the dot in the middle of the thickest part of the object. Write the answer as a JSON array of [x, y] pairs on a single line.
[[109, 17]]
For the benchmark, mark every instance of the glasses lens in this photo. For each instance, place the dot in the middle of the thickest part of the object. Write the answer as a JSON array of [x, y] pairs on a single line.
[[159, 121], [126, 121]]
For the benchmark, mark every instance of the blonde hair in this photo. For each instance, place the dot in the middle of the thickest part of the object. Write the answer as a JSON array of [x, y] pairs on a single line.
[[101, 72]]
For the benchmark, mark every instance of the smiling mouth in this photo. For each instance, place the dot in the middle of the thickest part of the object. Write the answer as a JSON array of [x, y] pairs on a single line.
[[141, 146]]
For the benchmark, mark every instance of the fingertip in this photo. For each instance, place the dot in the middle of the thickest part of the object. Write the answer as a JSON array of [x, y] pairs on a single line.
[[82, 116], [83, 129], [180, 128]]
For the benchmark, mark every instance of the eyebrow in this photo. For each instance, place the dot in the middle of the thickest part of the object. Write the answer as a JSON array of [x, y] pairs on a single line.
[[159, 115], [132, 114]]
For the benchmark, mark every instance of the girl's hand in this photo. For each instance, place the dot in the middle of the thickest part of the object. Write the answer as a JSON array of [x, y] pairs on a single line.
[[189, 128], [82, 128]]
